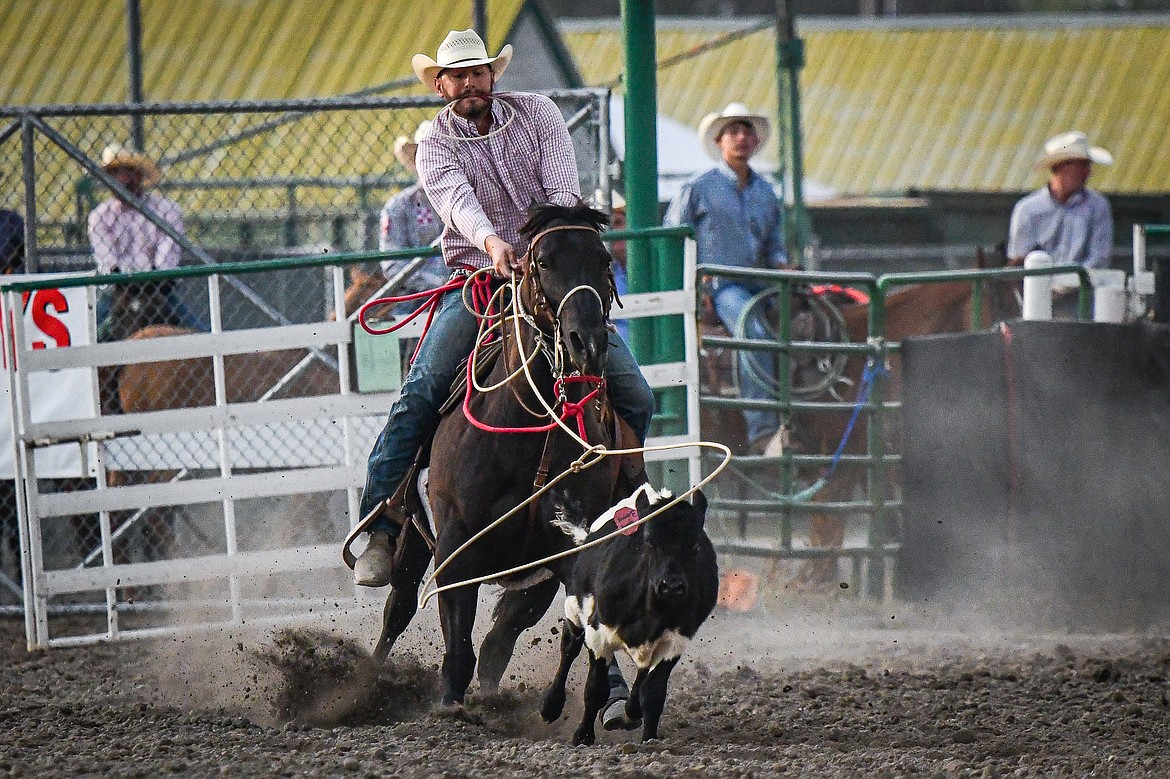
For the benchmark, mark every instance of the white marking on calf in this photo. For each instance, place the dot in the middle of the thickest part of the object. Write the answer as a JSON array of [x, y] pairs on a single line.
[[603, 641]]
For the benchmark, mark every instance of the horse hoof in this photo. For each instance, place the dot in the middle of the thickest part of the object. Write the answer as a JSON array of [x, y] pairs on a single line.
[[553, 705], [584, 737], [458, 712]]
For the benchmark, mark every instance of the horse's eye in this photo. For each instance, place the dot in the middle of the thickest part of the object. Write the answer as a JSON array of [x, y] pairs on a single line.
[[542, 264]]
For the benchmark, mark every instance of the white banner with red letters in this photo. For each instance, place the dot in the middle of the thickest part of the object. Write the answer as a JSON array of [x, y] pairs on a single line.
[[53, 319]]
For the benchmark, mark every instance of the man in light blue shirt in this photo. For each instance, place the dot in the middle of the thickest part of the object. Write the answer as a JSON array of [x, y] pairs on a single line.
[[737, 221], [1065, 218]]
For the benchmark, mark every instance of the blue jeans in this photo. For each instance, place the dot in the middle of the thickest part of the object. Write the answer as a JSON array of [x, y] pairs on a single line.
[[730, 300], [414, 415]]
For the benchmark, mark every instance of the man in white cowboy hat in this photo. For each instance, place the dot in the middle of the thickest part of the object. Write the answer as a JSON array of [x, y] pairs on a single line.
[[482, 192], [125, 241], [1065, 218], [408, 219], [737, 220]]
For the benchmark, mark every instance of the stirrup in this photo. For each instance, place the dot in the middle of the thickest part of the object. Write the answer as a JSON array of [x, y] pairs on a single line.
[[363, 526]]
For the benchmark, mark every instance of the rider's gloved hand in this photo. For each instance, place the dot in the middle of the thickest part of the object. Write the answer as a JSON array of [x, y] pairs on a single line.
[[504, 259]]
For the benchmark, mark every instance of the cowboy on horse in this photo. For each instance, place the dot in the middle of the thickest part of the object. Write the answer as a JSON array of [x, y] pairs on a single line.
[[481, 191]]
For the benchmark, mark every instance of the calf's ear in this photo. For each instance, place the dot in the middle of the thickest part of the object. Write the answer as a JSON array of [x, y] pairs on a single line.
[[699, 501], [642, 504]]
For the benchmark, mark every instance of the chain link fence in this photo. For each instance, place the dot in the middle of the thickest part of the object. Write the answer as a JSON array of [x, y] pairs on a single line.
[[249, 181]]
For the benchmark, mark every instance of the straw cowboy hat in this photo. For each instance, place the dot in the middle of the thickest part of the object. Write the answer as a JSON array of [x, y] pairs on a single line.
[[460, 49], [404, 148], [118, 156], [713, 124], [1072, 145], [616, 201]]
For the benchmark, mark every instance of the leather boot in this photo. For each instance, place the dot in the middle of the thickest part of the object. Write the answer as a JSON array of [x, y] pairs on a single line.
[[376, 563]]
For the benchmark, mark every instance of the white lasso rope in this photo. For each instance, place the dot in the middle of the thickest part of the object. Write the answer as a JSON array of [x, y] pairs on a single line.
[[449, 132]]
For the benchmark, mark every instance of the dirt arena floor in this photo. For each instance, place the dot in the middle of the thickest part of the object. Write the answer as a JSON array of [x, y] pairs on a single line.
[[819, 687]]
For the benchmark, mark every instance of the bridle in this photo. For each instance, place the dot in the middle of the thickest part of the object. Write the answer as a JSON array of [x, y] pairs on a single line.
[[542, 318]]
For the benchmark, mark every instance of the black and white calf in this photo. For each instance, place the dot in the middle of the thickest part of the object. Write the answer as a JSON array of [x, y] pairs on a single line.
[[645, 593]]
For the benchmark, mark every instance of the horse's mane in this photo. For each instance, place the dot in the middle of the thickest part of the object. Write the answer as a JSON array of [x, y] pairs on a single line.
[[544, 215]]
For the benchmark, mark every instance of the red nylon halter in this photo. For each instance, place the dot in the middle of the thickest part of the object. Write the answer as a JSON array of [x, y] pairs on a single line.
[[569, 408]]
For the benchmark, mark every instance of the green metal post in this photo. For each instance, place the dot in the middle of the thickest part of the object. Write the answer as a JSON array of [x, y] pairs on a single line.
[[875, 445], [641, 163], [658, 340], [789, 61]]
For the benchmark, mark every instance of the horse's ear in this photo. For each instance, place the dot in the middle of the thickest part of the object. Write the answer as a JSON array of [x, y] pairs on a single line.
[[980, 258]]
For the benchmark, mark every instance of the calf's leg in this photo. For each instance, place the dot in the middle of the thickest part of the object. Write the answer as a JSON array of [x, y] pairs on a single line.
[[572, 639], [652, 696], [596, 694]]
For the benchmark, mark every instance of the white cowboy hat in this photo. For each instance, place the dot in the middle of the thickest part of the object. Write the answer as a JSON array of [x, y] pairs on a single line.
[[1072, 145], [404, 148], [460, 49], [712, 125], [118, 156]]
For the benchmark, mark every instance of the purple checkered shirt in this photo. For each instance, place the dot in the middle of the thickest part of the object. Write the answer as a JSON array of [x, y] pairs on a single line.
[[484, 186], [125, 240]]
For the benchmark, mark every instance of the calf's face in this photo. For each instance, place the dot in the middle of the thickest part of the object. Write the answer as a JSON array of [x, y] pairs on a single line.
[[674, 541]]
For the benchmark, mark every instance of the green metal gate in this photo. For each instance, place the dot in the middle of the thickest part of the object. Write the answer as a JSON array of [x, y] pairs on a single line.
[[786, 495]]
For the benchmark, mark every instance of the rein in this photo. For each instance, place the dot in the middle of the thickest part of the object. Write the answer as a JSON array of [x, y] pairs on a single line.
[[481, 296]]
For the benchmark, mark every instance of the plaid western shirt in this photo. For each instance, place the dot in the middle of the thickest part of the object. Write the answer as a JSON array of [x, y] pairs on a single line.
[[125, 240], [484, 185]]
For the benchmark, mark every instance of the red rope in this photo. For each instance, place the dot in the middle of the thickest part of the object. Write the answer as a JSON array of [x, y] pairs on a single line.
[[856, 295], [1013, 431], [480, 298]]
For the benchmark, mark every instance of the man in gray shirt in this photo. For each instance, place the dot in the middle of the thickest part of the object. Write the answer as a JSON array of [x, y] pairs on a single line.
[[1065, 218]]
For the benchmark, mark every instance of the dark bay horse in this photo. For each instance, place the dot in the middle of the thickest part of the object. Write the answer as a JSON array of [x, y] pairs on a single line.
[[560, 314], [921, 309]]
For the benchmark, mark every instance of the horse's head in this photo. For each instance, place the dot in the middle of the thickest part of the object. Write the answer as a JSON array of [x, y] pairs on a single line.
[[1003, 299], [136, 306], [566, 283]]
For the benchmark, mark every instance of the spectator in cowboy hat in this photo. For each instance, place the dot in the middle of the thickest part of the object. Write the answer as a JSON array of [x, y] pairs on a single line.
[[1065, 218], [737, 220], [408, 219], [125, 241]]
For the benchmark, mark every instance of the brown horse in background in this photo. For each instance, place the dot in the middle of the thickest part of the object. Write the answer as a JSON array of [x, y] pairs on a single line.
[[188, 383], [917, 310]]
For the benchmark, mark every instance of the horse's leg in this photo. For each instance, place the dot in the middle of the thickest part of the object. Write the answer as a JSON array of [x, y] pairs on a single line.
[[826, 531], [652, 697], [572, 639], [515, 612], [596, 693], [402, 602], [457, 615]]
